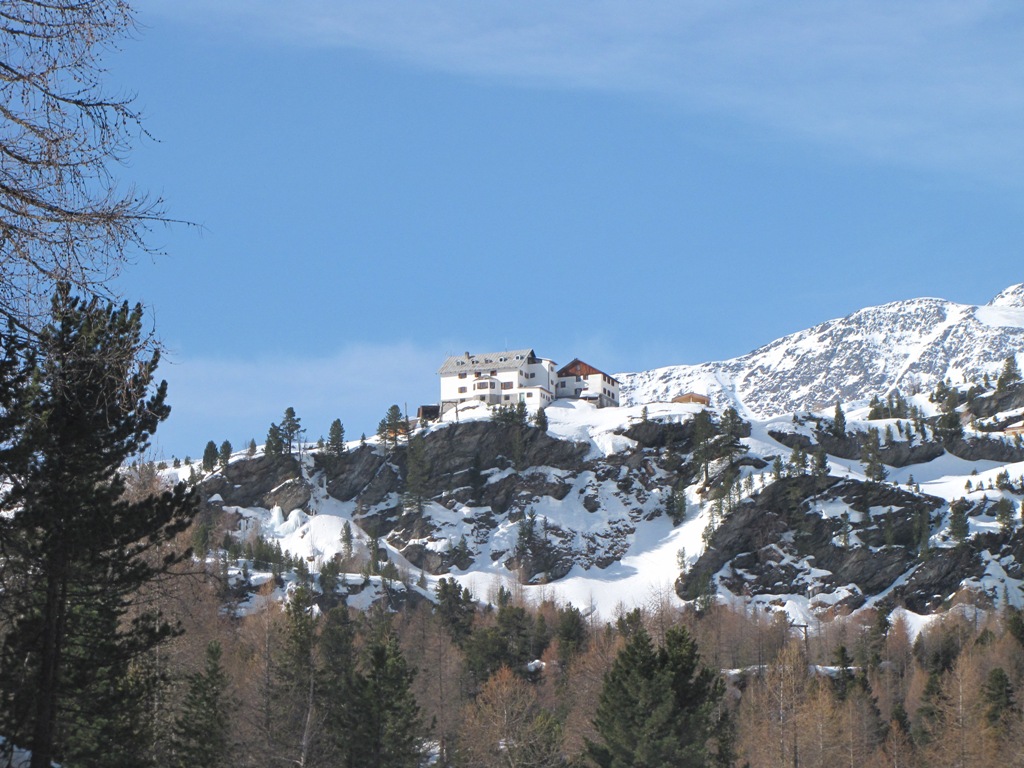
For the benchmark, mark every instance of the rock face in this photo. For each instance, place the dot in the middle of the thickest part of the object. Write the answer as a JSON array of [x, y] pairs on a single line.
[[780, 543], [905, 345], [263, 481], [484, 480]]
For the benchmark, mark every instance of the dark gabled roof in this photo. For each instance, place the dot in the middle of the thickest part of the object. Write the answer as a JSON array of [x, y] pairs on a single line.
[[578, 368]]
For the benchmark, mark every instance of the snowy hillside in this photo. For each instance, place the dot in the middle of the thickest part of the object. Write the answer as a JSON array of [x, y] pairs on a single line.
[[596, 489], [905, 345]]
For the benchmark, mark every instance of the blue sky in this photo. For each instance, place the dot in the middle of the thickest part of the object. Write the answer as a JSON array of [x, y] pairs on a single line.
[[379, 184]]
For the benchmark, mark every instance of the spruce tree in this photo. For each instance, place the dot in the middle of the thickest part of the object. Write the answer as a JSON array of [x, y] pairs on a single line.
[[76, 551]]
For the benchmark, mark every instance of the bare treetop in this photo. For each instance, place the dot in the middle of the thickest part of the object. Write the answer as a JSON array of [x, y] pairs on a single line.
[[62, 216]]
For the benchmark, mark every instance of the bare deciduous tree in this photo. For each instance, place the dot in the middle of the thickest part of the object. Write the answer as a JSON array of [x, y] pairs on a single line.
[[62, 215]]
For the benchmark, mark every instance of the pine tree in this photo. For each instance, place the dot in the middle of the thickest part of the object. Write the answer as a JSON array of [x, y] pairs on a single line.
[[396, 426], [290, 427], [201, 730], [948, 427], [210, 456], [1005, 514], [958, 524], [540, 420], [340, 691], [224, 454], [871, 457], [798, 460], [391, 732], [455, 609], [336, 438], [703, 432], [656, 707], [275, 442], [76, 551], [416, 472], [839, 423], [250, 450], [295, 681], [1009, 374], [728, 444]]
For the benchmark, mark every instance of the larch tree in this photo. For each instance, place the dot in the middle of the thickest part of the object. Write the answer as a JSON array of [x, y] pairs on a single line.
[[67, 654], [63, 218]]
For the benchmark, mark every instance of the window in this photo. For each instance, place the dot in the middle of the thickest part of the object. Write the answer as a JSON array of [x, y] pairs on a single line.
[[462, 374], [494, 373], [481, 385], [462, 390], [505, 398], [506, 385], [529, 394], [477, 374]]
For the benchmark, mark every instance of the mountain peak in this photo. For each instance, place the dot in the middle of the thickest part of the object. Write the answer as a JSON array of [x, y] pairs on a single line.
[[1010, 297]]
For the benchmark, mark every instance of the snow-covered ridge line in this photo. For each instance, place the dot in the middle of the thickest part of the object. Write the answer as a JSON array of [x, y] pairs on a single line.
[[907, 345]]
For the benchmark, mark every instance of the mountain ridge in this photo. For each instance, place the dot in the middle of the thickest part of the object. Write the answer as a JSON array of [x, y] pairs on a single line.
[[906, 345]]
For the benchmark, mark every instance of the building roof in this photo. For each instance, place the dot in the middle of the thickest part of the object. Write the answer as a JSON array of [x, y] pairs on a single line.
[[690, 397], [578, 368], [489, 361]]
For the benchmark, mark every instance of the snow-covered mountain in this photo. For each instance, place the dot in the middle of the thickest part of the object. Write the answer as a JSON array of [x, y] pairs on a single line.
[[610, 507], [905, 345]]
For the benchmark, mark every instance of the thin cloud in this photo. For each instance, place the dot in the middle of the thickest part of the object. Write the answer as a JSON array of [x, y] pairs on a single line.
[[934, 85]]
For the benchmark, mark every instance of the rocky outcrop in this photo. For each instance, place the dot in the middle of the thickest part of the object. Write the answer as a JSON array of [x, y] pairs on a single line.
[[780, 542], [262, 481]]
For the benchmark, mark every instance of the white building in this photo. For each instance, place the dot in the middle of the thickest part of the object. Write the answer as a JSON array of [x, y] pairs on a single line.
[[506, 378], [498, 378], [582, 381]]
